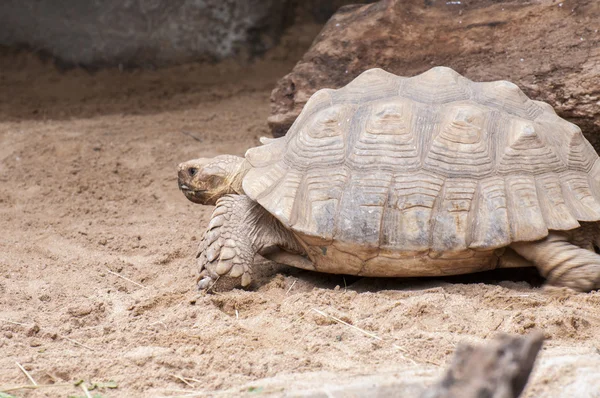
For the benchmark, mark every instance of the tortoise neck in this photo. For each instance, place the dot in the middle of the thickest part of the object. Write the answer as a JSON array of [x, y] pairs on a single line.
[[237, 177]]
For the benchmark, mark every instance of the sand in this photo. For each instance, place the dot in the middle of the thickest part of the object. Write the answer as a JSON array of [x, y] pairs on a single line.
[[97, 268]]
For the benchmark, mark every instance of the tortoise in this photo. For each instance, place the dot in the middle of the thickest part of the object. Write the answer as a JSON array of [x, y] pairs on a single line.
[[391, 176]]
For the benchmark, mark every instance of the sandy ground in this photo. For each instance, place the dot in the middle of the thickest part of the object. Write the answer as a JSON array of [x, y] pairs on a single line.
[[97, 275]]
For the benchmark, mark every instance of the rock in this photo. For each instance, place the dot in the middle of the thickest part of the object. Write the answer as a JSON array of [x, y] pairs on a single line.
[[144, 354], [550, 49], [35, 343], [32, 331], [141, 33], [498, 369], [100, 33], [319, 11]]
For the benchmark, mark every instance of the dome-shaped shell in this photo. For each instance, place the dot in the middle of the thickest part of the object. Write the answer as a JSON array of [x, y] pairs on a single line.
[[435, 162]]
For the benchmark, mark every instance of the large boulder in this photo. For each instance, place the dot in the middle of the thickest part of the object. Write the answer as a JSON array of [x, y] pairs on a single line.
[[96, 33], [142, 33], [551, 49]]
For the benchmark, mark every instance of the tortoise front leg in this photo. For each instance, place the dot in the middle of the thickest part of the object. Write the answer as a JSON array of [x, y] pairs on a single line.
[[239, 230], [561, 262]]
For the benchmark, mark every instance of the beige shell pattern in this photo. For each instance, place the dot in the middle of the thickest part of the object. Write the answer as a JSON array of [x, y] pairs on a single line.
[[433, 163]]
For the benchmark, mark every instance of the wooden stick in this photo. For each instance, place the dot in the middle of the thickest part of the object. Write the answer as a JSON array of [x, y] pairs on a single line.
[[32, 387], [347, 324], [191, 136], [85, 390], [26, 374], [209, 289], [356, 328], [78, 343], [372, 335], [180, 378], [13, 322], [295, 280], [190, 393], [125, 278], [194, 380], [193, 394]]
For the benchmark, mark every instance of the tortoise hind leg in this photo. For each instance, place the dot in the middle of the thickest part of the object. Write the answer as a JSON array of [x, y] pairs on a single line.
[[510, 259], [239, 229], [564, 259]]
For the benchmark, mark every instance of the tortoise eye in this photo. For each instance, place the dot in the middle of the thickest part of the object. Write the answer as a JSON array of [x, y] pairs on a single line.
[[192, 171]]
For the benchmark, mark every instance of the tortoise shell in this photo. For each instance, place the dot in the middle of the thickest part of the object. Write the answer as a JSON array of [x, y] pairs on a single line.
[[429, 167]]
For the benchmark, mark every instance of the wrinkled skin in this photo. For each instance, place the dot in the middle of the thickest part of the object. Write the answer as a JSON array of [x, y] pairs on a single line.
[[239, 229], [205, 180]]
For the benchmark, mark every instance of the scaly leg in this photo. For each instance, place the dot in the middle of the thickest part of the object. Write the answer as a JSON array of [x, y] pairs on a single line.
[[240, 229], [562, 262]]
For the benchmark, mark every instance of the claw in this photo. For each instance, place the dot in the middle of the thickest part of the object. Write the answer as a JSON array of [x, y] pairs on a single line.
[[237, 271], [223, 267], [266, 140], [205, 283], [246, 279]]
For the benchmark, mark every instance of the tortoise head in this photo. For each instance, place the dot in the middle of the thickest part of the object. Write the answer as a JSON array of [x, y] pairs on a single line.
[[205, 180]]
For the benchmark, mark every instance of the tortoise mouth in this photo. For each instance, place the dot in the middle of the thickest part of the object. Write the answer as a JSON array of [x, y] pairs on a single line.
[[194, 195]]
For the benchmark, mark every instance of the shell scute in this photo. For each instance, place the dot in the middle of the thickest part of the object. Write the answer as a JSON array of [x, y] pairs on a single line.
[[370, 85], [491, 228], [451, 224], [438, 85], [321, 141], [462, 145], [525, 214], [362, 207], [508, 97], [525, 150], [579, 196], [386, 138], [409, 211], [318, 201], [550, 194]]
